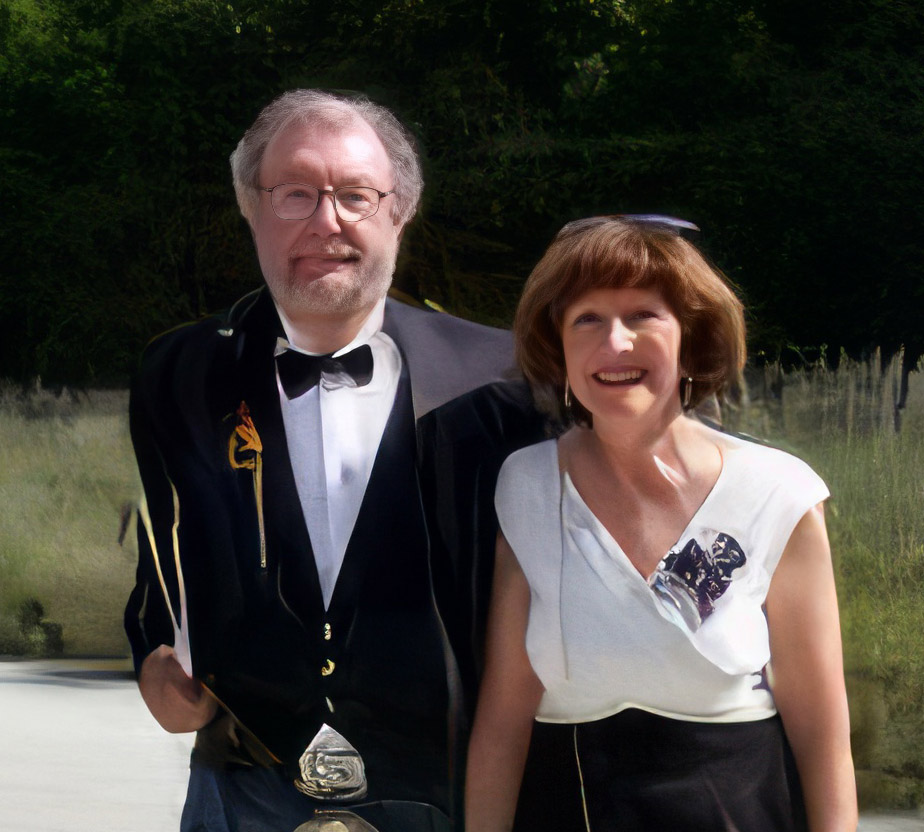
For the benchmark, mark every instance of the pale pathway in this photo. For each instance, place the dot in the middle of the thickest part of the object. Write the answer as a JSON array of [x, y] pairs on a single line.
[[80, 753]]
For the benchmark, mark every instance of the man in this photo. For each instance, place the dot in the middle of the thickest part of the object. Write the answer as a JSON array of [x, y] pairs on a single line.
[[316, 528]]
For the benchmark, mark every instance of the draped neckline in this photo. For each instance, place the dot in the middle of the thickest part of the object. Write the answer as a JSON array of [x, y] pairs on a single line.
[[609, 542]]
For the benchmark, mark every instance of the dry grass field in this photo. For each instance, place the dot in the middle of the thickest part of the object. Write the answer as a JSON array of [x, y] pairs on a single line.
[[68, 476], [843, 423]]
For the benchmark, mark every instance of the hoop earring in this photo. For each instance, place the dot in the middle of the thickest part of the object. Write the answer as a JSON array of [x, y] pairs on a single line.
[[567, 394], [687, 392]]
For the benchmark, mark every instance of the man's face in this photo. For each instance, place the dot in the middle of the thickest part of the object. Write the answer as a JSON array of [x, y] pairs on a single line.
[[322, 266]]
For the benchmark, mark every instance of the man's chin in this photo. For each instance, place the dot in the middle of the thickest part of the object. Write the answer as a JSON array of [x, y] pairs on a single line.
[[330, 295], [322, 296]]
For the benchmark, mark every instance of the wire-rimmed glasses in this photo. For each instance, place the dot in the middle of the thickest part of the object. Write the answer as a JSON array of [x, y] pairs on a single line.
[[352, 203]]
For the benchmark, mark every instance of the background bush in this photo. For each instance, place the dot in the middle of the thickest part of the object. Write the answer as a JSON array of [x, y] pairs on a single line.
[[790, 133]]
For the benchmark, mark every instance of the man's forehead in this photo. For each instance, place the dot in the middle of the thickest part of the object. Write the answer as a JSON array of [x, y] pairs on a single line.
[[352, 148]]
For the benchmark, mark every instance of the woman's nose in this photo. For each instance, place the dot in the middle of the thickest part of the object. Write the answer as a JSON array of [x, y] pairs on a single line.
[[621, 338]]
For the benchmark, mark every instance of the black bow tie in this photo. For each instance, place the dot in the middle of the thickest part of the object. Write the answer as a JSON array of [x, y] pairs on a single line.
[[299, 372]]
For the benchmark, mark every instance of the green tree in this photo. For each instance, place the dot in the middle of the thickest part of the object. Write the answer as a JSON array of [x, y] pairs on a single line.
[[790, 134]]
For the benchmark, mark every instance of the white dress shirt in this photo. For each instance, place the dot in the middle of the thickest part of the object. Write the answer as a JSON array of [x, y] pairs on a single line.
[[332, 465]]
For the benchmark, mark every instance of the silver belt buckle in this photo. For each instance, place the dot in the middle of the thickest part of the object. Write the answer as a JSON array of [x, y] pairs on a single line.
[[331, 769], [335, 820]]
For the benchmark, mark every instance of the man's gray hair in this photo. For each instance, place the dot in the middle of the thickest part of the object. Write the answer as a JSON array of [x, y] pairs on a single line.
[[334, 111]]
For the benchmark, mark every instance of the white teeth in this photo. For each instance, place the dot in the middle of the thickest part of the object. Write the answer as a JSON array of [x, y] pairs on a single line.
[[628, 375]]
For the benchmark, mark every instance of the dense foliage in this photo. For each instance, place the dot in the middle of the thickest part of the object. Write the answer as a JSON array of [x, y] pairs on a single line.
[[791, 133]]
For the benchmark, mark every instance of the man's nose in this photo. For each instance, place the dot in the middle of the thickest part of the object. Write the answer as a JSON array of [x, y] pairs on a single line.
[[324, 221]]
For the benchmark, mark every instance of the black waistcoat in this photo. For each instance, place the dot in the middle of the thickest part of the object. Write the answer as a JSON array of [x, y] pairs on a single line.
[[373, 665]]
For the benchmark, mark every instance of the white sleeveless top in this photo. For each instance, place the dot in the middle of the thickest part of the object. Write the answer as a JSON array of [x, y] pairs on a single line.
[[691, 642]]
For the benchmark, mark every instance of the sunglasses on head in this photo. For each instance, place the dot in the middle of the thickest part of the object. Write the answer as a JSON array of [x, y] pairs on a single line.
[[659, 221]]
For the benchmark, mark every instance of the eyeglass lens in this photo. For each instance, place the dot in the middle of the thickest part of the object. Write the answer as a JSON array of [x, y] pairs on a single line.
[[298, 202]]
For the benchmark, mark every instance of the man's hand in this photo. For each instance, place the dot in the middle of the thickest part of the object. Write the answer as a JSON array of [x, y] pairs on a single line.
[[179, 703]]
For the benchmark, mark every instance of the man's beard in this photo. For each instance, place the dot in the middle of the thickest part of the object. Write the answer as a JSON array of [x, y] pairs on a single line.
[[332, 294]]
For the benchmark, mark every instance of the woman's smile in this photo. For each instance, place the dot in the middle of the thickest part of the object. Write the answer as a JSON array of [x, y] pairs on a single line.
[[618, 377]]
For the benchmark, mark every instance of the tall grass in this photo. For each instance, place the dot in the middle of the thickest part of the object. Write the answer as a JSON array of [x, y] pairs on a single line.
[[68, 473], [843, 423]]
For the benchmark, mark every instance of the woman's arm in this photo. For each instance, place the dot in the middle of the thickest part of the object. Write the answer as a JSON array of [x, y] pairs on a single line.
[[808, 675], [507, 703]]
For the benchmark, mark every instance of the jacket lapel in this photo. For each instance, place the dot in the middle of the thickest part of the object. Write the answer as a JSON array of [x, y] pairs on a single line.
[[392, 482], [288, 545]]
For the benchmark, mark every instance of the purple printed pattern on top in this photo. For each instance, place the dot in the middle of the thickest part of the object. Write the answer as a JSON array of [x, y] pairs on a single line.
[[690, 580]]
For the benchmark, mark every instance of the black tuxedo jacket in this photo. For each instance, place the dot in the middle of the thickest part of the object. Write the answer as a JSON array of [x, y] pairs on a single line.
[[393, 663]]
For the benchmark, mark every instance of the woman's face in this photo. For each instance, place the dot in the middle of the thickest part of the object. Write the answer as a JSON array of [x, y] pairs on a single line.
[[622, 351]]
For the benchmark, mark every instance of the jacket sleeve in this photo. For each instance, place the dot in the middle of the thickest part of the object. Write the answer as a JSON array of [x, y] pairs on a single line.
[[148, 621], [464, 445]]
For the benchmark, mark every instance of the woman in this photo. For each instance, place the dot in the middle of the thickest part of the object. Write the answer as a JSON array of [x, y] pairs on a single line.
[[649, 567]]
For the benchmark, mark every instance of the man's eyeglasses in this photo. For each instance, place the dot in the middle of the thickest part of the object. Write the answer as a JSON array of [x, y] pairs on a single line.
[[352, 203], [660, 221]]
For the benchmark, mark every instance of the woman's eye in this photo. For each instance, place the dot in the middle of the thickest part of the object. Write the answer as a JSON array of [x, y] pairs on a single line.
[[644, 313], [586, 317]]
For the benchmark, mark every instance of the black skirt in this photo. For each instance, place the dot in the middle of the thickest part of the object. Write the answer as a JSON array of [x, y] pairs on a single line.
[[638, 772]]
